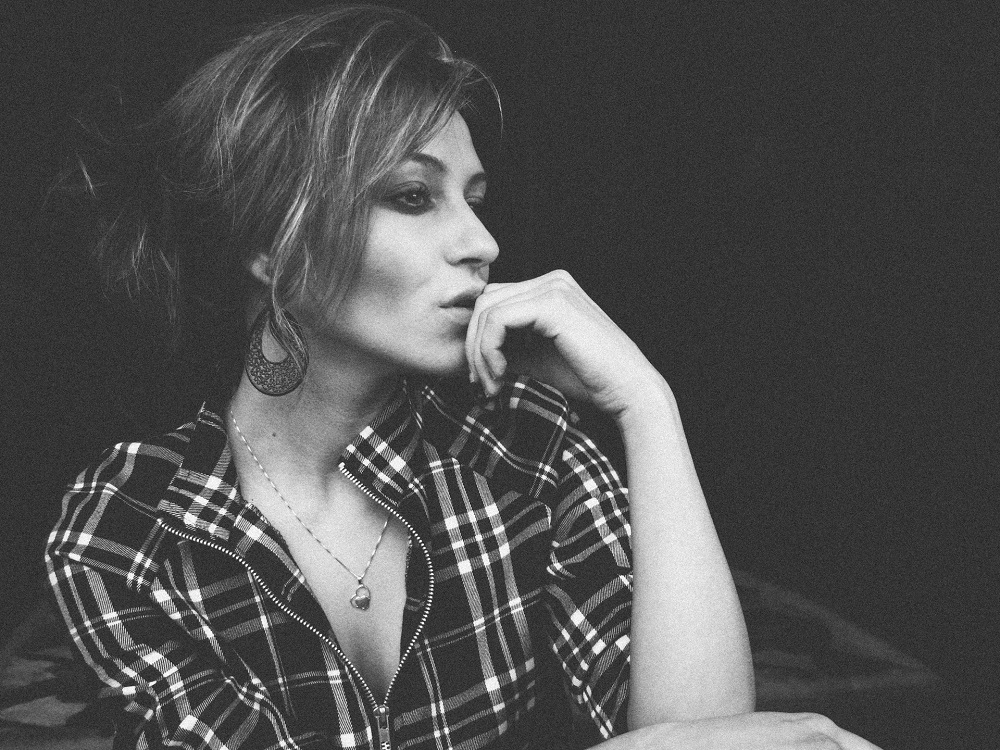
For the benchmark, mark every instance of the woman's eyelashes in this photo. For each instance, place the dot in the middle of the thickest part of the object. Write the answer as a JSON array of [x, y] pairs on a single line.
[[477, 203], [419, 198], [411, 199]]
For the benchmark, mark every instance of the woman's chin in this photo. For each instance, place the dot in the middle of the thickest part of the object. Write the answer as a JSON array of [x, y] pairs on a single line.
[[448, 365]]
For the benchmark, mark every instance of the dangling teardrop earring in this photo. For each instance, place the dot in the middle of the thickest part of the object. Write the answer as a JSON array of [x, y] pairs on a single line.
[[269, 377]]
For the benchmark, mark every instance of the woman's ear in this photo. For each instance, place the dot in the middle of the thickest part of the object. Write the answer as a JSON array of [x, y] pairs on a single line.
[[259, 268]]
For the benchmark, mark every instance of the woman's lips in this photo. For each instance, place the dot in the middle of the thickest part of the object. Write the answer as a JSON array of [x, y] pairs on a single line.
[[466, 299], [463, 314]]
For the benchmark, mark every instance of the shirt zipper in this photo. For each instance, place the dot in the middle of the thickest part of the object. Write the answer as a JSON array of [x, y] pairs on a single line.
[[382, 719], [381, 710]]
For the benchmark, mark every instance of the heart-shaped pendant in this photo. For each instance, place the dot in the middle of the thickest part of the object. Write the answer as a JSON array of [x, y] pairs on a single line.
[[362, 598]]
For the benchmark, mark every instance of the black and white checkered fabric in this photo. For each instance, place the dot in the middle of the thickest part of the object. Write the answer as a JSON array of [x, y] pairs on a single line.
[[190, 609]]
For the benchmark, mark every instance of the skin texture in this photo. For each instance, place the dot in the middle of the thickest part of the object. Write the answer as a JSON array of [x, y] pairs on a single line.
[[425, 247], [411, 310], [690, 655]]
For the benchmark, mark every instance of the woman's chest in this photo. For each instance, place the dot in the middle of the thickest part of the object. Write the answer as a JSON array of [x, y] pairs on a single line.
[[352, 554], [479, 608], [363, 597]]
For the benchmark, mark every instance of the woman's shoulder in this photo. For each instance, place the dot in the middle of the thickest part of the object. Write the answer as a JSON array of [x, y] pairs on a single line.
[[124, 487], [127, 465]]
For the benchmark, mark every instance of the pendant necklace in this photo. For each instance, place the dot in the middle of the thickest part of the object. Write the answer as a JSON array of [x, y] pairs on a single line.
[[362, 598]]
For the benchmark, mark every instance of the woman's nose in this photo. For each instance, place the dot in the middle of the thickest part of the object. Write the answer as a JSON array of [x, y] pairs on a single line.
[[473, 242]]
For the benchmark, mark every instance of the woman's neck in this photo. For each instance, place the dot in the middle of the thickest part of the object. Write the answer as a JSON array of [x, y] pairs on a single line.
[[307, 430]]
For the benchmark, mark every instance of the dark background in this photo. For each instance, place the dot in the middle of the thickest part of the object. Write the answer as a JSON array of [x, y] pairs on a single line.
[[792, 207]]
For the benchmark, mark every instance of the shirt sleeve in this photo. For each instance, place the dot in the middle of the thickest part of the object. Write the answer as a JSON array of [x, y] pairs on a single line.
[[590, 583], [174, 694]]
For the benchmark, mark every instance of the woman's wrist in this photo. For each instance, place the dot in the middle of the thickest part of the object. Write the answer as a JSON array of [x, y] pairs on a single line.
[[650, 405]]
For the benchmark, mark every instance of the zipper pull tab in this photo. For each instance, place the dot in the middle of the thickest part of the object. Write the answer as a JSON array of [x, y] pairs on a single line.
[[382, 719]]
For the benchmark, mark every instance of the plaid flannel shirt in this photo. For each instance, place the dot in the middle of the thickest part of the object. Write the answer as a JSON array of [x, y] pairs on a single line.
[[188, 605]]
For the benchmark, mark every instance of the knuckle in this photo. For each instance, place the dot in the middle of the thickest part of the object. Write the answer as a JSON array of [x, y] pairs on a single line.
[[825, 724], [812, 719], [562, 276], [559, 291], [821, 729]]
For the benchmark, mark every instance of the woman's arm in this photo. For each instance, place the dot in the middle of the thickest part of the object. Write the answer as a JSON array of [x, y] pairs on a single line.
[[755, 731], [691, 683], [689, 653]]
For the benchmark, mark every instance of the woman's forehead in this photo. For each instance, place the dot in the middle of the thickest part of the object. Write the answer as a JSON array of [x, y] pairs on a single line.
[[450, 152]]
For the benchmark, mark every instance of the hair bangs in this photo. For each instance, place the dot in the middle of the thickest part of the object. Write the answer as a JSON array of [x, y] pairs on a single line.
[[414, 98]]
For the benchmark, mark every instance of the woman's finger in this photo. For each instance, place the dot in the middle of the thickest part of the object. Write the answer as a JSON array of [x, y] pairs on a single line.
[[568, 339], [497, 293], [524, 307], [849, 741], [826, 727], [523, 311], [548, 309]]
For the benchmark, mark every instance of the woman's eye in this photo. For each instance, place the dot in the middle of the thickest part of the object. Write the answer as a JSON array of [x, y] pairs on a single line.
[[411, 200], [477, 203]]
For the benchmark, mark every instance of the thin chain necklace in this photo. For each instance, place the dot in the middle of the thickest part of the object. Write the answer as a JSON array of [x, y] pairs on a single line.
[[362, 598]]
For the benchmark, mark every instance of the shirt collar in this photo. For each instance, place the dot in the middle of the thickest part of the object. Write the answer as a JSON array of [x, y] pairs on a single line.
[[381, 456], [203, 492]]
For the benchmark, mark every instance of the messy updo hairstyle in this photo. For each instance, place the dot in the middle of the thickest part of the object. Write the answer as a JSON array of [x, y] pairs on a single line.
[[280, 145]]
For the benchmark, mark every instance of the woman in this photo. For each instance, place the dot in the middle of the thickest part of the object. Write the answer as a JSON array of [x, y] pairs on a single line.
[[346, 547]]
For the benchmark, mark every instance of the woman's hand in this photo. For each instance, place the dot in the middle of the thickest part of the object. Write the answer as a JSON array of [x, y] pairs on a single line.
[[756, 731], [550, 329]]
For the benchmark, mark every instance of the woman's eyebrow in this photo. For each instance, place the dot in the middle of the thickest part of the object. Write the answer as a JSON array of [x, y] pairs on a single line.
[[431, 162], [436, 165]]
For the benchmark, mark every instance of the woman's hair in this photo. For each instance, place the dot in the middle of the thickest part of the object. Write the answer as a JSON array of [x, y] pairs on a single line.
[[280, 145]]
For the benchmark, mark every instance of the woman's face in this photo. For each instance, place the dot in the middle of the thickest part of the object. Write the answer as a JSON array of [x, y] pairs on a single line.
[[426, 260]]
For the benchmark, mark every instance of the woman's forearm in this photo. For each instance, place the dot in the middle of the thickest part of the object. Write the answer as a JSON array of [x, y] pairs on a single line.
[[690, 657]]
